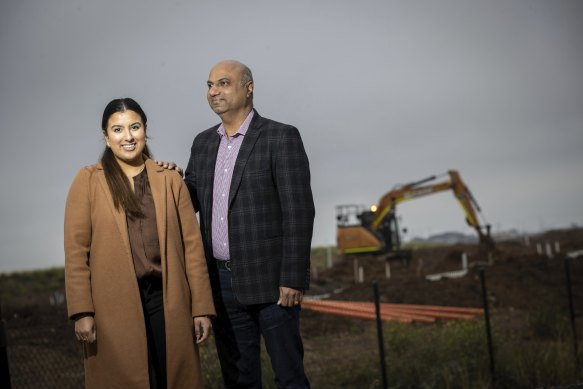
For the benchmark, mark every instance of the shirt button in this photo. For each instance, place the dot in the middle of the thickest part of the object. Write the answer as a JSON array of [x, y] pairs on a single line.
[[226, 170], [229, 146], [223, 195]]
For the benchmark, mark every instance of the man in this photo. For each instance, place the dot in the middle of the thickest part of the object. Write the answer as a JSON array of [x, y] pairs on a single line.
[[249, 180]]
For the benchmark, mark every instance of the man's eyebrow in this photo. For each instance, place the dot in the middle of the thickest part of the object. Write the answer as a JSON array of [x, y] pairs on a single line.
[[219, 80]]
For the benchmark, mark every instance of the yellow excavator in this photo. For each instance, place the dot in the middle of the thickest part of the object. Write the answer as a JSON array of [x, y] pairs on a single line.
[[376, 230]]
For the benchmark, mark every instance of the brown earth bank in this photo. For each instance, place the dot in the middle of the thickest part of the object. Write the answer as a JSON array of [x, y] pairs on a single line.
[[518, 275]]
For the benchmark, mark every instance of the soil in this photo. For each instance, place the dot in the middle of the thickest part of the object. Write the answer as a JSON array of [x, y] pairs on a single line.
[[518, 274]]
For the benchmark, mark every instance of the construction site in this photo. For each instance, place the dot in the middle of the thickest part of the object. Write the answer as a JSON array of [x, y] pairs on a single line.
[[531, 284], [434, 300], [518, 272]]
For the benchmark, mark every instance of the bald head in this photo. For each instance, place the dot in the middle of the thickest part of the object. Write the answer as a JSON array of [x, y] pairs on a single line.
[[237, 68]]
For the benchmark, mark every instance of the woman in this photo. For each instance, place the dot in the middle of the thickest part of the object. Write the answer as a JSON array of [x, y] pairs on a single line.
[[136, 277]]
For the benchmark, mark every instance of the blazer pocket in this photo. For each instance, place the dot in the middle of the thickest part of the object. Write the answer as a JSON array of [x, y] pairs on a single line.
[[257, 172], [269, 248], [258, 180]]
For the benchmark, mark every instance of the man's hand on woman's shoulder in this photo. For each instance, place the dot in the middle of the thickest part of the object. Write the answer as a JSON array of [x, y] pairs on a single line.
[[170, 166]]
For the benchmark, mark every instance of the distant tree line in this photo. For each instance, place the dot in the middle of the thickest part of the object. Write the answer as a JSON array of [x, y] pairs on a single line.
[[26, 284]]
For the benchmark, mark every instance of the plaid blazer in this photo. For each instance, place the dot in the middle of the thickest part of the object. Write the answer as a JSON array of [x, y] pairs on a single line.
[[271, 209]]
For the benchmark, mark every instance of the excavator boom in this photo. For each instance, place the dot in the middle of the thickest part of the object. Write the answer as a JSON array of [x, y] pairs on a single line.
[[380, 226]]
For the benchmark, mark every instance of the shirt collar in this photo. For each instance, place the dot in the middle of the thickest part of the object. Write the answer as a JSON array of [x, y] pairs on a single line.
[[242, 129]]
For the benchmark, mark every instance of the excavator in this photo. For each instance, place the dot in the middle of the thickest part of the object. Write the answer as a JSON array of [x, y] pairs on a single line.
[[375, 231]]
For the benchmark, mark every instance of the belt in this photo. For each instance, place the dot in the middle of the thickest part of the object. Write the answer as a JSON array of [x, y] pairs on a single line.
[[224, 265]]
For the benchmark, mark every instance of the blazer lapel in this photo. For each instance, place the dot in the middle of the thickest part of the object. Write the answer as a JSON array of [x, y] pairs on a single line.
[[209, 179], [249, 140], [118, 214]]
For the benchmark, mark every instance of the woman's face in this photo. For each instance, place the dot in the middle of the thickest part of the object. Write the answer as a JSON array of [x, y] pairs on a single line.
[[126, 136]]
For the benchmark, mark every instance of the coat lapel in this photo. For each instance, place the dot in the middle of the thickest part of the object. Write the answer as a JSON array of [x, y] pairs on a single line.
[[118, 214], [157, 182], [249, 141]]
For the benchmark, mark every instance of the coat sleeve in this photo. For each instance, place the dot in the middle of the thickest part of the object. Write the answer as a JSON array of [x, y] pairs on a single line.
[[292, 174], [77, 245], [195, 262]]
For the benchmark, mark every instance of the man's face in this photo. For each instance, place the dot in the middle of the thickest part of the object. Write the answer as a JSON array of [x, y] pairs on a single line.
[[225, 92]]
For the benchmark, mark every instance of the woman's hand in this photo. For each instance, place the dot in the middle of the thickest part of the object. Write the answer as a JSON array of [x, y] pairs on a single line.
[[85, 329], [202, 328]]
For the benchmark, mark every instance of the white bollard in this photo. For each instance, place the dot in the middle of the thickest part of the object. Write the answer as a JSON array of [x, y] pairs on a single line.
[[539, 249], [419, 267], [464, 261], [360, 275], [549, 251], [557, 247], [329, 257], [387, 270]]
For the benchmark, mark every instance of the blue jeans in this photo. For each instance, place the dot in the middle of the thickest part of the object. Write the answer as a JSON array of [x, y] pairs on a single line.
[[237, 330]]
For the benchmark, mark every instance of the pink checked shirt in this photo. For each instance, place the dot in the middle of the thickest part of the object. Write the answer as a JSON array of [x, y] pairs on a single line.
[[226, 157]]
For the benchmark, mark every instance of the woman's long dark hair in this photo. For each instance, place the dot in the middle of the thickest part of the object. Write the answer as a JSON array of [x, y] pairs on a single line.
[[118, 182]]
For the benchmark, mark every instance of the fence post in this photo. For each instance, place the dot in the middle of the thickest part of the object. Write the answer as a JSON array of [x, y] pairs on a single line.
[[549, 250], [4, 370], [329, 257], [572, 312], [380, 333], [488, 331]]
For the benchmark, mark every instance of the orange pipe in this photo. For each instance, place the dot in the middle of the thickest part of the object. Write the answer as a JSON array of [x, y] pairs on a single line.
[[401, 312]]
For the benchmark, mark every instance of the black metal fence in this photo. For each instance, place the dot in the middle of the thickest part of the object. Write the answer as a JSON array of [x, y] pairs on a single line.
[[41, 349]]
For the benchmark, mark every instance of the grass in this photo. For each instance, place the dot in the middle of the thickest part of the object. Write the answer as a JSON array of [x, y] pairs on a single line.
[[533, 349], [20, 285], [449, 354]]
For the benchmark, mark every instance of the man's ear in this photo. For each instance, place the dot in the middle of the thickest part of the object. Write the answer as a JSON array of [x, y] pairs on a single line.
[[250, 88]]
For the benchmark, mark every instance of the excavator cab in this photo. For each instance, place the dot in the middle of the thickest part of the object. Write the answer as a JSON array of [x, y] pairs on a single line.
[[355, 234]]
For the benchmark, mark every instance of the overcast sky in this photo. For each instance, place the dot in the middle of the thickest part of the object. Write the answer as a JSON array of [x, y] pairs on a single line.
[[383, 92]]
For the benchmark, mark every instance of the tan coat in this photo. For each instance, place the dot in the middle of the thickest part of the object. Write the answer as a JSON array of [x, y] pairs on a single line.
[[100, 278]]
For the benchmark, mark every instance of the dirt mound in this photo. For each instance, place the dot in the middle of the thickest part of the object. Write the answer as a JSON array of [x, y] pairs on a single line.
[[520, 274]]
